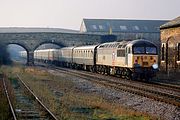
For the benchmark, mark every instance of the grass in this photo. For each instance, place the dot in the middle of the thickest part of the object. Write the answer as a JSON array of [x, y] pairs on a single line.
[[60, 95], [4, 108]]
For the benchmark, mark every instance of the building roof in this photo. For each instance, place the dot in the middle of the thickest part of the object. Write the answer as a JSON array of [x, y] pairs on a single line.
[[34, 30], [121, 25], [173, 23]]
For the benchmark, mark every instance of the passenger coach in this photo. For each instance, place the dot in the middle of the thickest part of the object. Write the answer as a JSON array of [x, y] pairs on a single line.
[[84, 57]]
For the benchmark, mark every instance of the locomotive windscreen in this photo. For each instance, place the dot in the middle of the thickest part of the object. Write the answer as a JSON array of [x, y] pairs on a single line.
[[144, 47]]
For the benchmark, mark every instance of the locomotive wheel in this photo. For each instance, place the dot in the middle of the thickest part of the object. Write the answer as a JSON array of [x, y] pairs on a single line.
[[128, 74], [123, 74]]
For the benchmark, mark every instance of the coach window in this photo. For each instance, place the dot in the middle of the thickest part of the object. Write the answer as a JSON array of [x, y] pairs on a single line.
[[88, 53]]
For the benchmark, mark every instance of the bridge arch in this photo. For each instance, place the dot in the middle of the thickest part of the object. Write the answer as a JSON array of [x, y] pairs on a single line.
[[49, 42], [24, 47], [19, 44]]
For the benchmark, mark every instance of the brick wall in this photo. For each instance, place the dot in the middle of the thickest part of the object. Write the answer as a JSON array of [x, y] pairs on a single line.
[[167, 33], [174, 35]]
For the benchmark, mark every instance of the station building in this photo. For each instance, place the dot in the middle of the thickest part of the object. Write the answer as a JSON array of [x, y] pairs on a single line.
[[170, 48]]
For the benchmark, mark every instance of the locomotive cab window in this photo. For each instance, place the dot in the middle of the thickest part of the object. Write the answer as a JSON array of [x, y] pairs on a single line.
[[151, 50], [138, 50]]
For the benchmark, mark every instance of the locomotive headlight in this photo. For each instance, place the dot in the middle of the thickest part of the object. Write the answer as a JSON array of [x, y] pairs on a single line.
[[155, 66]]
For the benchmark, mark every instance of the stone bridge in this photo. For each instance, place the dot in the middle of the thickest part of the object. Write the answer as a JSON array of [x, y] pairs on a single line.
[[30, 41]]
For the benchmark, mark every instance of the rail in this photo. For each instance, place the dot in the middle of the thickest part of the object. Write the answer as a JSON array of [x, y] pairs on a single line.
[[53, 116], [8, 98]]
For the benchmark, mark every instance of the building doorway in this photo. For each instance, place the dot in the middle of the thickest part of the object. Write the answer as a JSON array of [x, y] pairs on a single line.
[[172, 55]]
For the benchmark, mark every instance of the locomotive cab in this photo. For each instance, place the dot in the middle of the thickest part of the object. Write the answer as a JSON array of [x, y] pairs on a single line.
[[144, 54], [144, 58]]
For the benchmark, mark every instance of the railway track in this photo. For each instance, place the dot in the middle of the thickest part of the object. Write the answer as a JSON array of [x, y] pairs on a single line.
[[162, 93], [27, 106]]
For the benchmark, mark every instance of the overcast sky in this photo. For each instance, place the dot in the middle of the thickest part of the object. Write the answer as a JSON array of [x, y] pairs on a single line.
[[69, 13]]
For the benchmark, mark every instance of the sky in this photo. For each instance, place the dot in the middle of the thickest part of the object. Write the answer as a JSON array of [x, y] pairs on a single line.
[[69, 14]]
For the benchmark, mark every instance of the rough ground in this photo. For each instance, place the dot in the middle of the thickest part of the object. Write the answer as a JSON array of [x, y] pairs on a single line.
[[138, 103]]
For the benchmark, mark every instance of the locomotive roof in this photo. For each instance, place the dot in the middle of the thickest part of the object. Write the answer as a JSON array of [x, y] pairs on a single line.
[[124, 43], [121, 44], [141, 42]]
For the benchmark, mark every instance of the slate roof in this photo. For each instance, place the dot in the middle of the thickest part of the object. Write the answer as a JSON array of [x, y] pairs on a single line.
[[34, 30], [122, 25], [173, 23]]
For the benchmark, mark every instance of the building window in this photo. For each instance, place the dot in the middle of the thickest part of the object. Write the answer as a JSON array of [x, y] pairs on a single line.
[[100, 27], [135, 28], [94, 27], [178, 52], [145, 27], [163, 52], [123, 27]]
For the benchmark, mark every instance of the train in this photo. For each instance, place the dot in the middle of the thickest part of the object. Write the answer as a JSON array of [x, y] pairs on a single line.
[[133, 59]]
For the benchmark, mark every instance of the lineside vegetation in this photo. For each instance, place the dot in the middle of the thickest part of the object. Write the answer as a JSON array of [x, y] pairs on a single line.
[[68, 102]]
